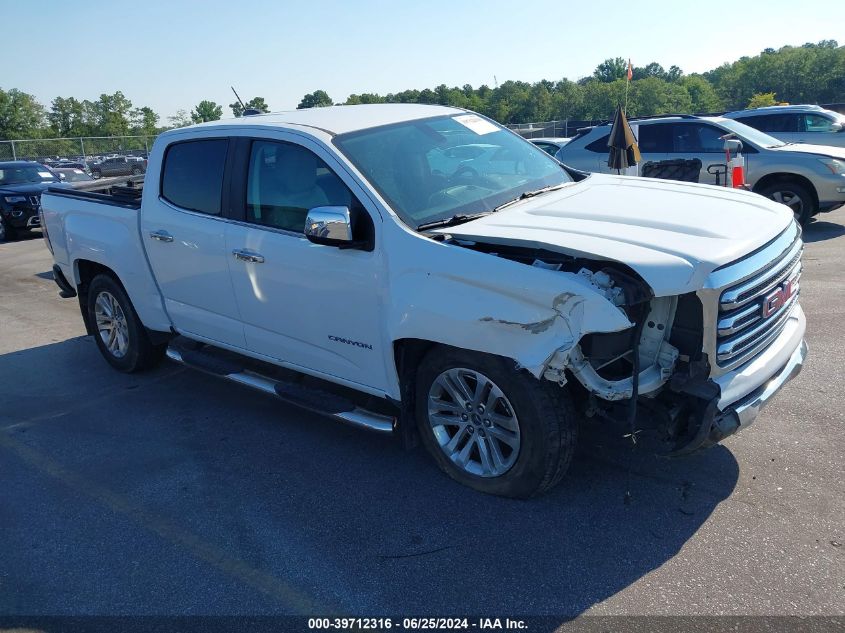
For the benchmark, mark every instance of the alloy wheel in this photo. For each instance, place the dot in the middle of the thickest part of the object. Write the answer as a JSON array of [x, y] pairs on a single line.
[[473, 422], [792, 200], [111, 324]]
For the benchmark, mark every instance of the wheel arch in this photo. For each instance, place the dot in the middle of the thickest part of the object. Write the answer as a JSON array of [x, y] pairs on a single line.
[[85, 270], [772, 179], [407, 356]]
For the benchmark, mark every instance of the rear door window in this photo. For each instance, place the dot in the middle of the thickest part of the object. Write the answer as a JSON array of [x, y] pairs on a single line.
[[599, 145], [192, 177], [656, 138], [773, 122]]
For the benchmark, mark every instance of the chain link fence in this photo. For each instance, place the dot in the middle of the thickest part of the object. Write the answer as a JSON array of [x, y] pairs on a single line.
[[81, 149]]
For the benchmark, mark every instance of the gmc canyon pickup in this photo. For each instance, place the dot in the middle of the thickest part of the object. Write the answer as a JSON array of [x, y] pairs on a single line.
[[420, 270]]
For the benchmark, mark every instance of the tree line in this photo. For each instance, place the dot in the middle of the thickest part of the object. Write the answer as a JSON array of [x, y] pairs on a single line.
[[812, 73]]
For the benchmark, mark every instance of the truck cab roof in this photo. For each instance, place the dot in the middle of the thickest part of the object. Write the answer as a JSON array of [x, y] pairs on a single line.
[[335, 120]]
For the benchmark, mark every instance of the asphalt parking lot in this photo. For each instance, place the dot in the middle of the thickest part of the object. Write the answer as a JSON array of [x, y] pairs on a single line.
[[171, 492]]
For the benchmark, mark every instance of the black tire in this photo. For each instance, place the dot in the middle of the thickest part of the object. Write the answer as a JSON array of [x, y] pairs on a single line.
[[794, 195], [140, 353], [136, 171], [548, 426], [7, 234], [95, 174]]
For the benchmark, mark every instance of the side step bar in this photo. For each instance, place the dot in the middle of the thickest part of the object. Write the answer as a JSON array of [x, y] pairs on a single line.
[[314, 400]]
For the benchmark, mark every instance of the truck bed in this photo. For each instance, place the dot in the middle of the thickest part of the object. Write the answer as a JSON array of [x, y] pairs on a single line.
[[102, 230], [127, 196]]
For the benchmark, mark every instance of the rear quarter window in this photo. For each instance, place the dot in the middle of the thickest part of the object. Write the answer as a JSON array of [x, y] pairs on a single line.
[[192, 176], [599, 145]]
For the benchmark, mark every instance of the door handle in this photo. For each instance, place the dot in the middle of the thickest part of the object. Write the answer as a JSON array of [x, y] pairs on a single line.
[[161, 236], [246, 256]]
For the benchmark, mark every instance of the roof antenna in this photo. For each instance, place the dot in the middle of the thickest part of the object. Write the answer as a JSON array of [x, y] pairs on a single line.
[[244, 110], [243, 107], [495, 82]]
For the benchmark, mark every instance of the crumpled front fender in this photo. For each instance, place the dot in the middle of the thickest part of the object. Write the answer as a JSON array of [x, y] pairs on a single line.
[[489, 304]]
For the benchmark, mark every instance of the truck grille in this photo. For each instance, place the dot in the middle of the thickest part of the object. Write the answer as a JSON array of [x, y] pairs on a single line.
[[754, 311]]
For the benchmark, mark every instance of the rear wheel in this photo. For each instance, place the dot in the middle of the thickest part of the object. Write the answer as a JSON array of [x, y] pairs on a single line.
[[136, 171], [491, 427], [793, 195], [95, 174], [121, 337]]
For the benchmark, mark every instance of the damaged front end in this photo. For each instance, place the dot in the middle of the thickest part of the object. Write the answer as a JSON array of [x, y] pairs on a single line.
[[651, 375]]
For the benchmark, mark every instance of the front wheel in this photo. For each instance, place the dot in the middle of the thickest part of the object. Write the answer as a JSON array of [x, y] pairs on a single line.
[[793, 195], [96, 174], [120, 335], [491, 427], [6, 234]]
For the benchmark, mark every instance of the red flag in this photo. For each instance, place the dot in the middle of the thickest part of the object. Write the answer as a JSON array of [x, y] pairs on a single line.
[[630, 70]]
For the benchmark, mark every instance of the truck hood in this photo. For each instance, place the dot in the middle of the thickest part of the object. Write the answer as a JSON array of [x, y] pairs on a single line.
[[819, 150], [673, 234]]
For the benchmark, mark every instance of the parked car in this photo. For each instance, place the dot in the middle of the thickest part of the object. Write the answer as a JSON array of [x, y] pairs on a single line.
[[72, 174], [796, 124], [466, 161], [21, 185], [485, 314], [65, 163], [551, 145], [807, 178], [81, 181], [119, 166]]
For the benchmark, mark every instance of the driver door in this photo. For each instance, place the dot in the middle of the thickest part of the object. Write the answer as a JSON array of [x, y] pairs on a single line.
[[314, 307]]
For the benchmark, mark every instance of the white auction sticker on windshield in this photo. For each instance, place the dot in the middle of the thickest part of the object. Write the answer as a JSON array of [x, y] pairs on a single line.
[[45, 174], [476, 124]]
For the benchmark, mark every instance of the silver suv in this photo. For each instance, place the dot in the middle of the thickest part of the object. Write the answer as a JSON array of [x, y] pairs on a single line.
[[807, 178], [796, 124]]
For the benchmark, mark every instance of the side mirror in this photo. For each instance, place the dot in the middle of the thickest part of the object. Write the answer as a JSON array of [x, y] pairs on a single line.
[[62, 177], [330, 226], [836, 126]]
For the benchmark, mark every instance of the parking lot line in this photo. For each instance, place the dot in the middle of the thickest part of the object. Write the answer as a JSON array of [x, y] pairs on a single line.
[[289, 596]]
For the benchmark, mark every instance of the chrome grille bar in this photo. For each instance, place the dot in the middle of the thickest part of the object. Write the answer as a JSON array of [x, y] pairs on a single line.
[[760, 284], [745, 325], [751, 339]]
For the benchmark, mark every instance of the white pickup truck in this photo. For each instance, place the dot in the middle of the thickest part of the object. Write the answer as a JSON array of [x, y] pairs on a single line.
[[421, 270]]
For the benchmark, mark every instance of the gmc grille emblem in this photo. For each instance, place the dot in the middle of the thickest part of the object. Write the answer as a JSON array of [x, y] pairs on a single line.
[[778, 297]]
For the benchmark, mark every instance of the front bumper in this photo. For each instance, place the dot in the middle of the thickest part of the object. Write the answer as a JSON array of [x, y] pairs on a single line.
[[743, 412], [744, 391], [22, 217], [830, 190], [739, 384]]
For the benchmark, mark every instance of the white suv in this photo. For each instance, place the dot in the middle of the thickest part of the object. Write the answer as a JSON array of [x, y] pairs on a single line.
[[796, 124]]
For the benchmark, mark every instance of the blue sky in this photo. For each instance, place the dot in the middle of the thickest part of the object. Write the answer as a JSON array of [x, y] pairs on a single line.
[[172, 54]]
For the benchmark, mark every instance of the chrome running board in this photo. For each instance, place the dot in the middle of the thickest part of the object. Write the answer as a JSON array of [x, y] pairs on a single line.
[[312, 399]]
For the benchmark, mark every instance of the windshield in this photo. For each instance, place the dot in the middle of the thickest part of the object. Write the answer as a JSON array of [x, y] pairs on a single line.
[[24, 175], [747, 132], [433, 169]]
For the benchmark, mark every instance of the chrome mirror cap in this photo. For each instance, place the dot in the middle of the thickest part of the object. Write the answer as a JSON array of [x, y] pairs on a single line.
[[329, 225]]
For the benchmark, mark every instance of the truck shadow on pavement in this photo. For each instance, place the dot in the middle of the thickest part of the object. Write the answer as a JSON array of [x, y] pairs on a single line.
[[173, 492], [819, 231]]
